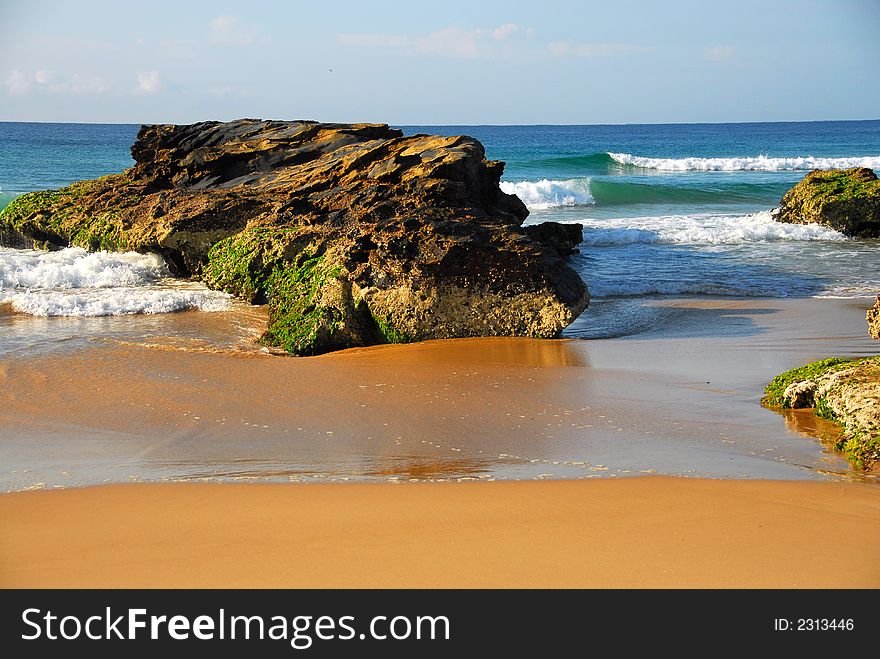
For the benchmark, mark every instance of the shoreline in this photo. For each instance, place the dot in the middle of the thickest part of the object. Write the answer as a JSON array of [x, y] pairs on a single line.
[[647, 532], [680, 398]]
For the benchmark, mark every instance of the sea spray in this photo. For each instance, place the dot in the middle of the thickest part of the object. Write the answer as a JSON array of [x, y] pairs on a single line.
[[537, 195], [74, 282], [702, 229]]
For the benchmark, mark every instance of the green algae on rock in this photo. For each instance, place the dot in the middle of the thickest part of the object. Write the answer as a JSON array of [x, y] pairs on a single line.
[[352, 233], [846, 391], [846, 200], [873, 317]]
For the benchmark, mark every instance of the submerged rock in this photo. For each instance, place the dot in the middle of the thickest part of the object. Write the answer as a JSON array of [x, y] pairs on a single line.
[[846, 200], [874, 320], [352, 233]]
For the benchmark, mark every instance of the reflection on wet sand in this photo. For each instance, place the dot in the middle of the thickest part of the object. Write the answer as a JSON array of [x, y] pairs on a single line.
[[493, 350], [807, 423], [407, 469]]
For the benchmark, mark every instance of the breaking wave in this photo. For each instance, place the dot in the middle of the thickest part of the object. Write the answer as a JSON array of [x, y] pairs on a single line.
[[702, 229], [761, 163], [542, 194], [546, 194], [74, 282]]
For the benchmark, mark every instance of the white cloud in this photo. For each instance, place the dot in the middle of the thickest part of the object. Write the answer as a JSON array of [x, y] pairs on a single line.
[[452, 42], [576, 49], [448, 42], [719, 52], [19, 83], [229, 29], [148, 82], [504, 31]]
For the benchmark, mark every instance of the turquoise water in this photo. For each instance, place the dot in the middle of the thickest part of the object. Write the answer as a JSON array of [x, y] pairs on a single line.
[[740, 180], [668, 209]]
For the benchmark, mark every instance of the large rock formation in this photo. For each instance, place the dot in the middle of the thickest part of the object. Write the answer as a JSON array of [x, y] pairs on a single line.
[[847, 200], [353, 234], [874, 320]]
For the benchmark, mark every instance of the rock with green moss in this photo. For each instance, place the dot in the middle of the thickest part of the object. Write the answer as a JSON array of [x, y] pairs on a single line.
[[353, 234], [846, 200], [873, 316], [846, 391]]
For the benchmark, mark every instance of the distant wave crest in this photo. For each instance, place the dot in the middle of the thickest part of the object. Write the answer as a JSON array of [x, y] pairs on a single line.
[[545, 194], [760, 163]]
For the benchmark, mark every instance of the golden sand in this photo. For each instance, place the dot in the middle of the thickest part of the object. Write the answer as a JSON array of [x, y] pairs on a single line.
[[635, 532]]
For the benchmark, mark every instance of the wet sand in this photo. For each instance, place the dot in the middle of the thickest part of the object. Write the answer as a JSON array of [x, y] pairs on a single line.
[[635, 532], [681, 398]]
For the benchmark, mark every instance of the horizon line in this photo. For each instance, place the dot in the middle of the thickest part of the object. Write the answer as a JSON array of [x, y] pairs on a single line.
[[443, 125]]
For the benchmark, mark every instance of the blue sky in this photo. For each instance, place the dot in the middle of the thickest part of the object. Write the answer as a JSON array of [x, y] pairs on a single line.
[[473, 62]]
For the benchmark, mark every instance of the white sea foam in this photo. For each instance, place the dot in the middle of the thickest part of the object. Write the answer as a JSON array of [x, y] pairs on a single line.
[[73, 282], [113, 301], [76, 268], [702, 230], [542, 194], [762, 163]]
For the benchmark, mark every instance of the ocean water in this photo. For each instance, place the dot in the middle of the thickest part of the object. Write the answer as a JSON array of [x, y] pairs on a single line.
[[667, 209], [685, 209], [669, 212]]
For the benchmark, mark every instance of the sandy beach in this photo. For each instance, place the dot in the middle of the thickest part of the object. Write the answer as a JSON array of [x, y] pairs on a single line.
[[637, 532]]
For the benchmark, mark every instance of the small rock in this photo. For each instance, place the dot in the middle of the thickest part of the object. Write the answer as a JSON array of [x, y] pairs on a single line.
[[874, 320], [799, 395]]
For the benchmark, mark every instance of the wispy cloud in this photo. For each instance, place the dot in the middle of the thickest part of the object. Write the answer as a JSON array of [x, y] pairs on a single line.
[[719, 52], [448, 42], [20, 83], [504, 31], [230, 30], [580, 49], [148, 82], [17, 83], [374, 40]]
